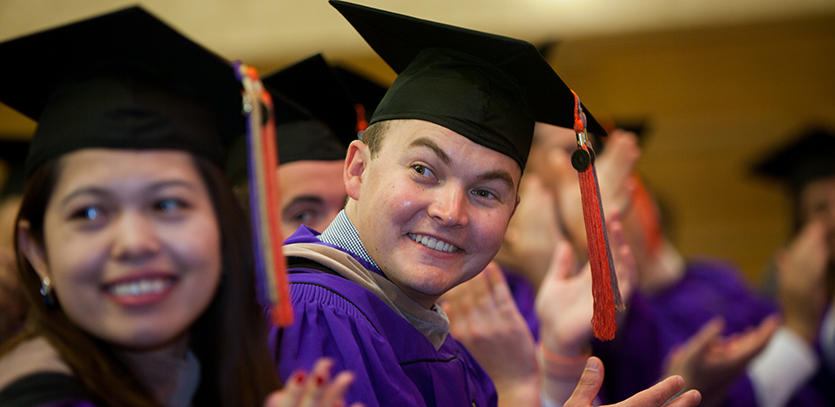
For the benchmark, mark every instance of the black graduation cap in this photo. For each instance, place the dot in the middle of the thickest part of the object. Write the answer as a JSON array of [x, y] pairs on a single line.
[[299, 135], [488, 88], [312, 84], [809, 157], [121, 80], [365, 91], [13, 156]]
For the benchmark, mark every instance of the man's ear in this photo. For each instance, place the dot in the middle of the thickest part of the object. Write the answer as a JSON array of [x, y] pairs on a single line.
[[518, 199], [355, 161], [32, 249]]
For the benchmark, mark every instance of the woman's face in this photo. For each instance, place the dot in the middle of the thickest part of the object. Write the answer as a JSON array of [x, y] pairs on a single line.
[[132, 245]]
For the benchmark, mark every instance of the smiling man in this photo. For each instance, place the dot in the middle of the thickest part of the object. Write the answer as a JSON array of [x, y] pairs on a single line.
[[431, 187]]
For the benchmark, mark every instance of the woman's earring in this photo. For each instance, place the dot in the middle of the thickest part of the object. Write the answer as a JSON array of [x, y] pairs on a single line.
[[46, 292]]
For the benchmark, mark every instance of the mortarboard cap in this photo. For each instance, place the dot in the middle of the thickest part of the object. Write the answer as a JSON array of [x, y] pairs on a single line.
[[299, 136], [488, 88], [809, 157], [121, 80], [312, 84], [13, 156], [364, 91]]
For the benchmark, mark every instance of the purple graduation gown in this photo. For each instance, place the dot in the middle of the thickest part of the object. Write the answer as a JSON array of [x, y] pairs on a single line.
[[394, 363], [655, 324]]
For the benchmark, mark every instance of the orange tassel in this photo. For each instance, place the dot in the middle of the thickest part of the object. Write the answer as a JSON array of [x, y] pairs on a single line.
[[605, 290], [264, 196]]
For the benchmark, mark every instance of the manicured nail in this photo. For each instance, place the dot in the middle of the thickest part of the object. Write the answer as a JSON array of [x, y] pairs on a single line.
[[300, 377], [319, 380], [592, 364]]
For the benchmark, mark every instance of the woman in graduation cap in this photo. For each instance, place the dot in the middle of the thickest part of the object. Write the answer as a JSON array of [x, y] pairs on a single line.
[[131, 250]]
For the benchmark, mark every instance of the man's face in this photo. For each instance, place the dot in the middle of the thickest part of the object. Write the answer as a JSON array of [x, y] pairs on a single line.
[[431, 207], [817, 201], [312, 194]]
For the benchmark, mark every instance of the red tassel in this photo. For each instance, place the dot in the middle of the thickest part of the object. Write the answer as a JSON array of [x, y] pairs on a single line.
[[282, 312], [362, 124], [604, 289], [647, 217], [603, 320]]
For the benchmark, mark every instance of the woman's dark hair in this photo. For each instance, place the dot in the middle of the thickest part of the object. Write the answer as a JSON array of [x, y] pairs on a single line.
[[229, 339]]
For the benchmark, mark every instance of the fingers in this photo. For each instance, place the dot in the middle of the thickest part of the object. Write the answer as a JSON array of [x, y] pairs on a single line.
[[688, 399], [313, 390], [291, 393], [625, 266], [497, 284], [589, 384], [745, 347], [562, 261], [657, 395], [707, 335], [319, 376], [334, 394]]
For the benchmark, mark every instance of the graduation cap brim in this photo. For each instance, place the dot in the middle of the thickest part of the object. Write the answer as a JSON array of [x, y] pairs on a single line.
[[128, 42], [398, 39], [808, 157]]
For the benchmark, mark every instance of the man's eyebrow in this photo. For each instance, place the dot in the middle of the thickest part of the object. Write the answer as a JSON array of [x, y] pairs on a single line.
[[499, 175], [425, 142], [314, 199]]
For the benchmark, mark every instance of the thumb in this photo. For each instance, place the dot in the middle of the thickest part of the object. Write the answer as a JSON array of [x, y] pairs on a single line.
[[588, 386]]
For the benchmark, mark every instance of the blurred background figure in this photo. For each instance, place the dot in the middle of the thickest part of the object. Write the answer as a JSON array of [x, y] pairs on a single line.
[[802, 273], [12, 303]]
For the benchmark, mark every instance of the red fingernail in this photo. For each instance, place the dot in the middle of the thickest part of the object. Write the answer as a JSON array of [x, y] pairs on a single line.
[[319, 380], [300, 377]]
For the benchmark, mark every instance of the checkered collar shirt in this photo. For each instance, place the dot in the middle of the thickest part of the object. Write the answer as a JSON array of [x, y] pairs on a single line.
[[342, 234]]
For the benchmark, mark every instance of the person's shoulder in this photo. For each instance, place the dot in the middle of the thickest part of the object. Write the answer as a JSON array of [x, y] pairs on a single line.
[[30, 357], [46, 389], [33, 374]]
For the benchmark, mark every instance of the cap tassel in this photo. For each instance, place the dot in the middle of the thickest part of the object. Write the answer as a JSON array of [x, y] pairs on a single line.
[[607, 299], [264, 196], [647, 217], [362, 124]]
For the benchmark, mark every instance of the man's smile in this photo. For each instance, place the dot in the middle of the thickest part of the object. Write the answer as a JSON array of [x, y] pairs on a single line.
[[433, 243]]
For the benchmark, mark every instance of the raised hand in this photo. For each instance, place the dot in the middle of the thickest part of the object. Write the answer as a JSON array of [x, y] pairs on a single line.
[[314, 390], [484, 317], [655, 396], [711, 364], [615, 167], [801, 280], [533, 232], [614, 172], [564, 303]]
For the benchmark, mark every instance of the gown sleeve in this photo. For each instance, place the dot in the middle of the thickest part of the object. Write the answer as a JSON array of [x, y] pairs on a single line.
[[329, 324]]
